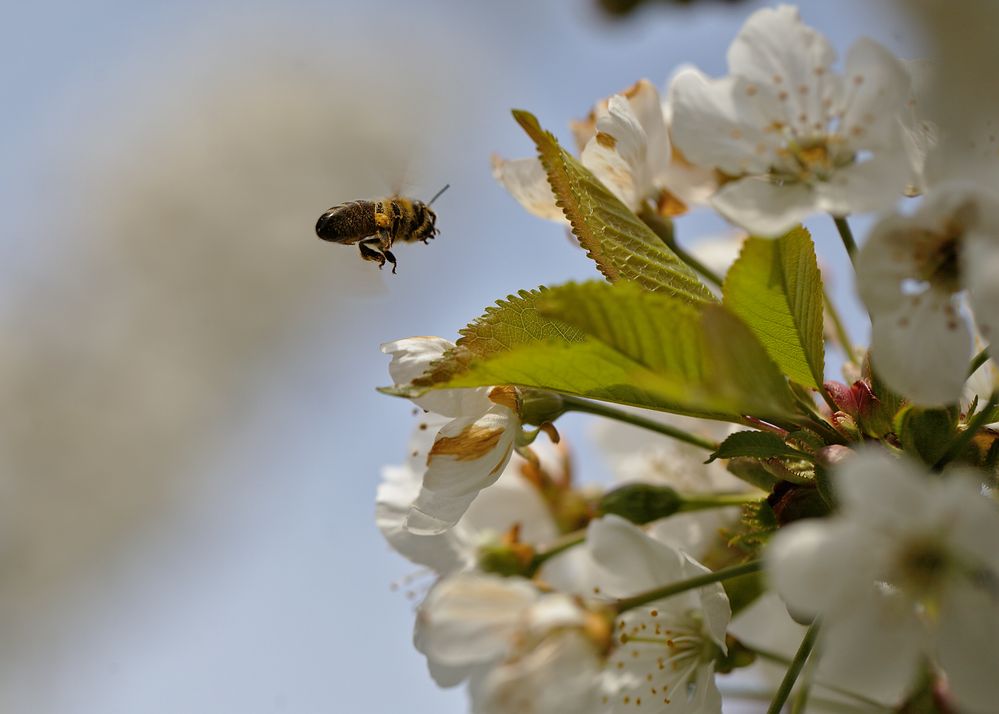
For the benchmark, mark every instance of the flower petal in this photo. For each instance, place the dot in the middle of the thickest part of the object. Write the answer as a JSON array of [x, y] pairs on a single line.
[[469, 454], [527, 182], [876, 89], [968, 646], [764, 208], [470, 618], [922, 349], [776, 49], [715, 125]]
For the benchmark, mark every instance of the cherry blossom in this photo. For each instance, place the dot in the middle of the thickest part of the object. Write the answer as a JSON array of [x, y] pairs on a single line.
[[907, 570], [794, 137], [470, 451]]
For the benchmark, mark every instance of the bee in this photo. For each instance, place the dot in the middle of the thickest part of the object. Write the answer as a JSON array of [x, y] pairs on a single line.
[[375, 225]]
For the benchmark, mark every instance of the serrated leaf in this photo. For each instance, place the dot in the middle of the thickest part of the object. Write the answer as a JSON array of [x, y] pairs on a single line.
[[755, 444], [776, 288], [510, 323], [714, 361], [616, 343], [621, 245]]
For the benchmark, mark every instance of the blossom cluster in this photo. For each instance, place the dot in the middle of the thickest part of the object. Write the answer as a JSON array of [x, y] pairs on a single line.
[[754, 497]]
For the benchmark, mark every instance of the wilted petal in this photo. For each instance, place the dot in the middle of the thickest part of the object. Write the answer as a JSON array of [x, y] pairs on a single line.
[[469, 454]]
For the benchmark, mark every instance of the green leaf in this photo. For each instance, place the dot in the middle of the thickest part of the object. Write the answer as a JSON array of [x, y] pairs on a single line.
[[776, 288], [510, 323], [621, 245], [755, 444], [713, 362], [616, 343]]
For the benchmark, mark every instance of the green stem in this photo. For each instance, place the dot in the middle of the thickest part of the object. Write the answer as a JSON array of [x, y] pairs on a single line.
[[847, 235], [559, 545], [840, 327], [781, 660], [575, 404], [664, 229], [683, 586], [703, 502], [784, 690], [962, 440], [977, 361]]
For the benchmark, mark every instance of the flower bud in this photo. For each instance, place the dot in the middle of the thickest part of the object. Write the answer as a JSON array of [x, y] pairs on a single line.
[[538, 406], [641, 502]]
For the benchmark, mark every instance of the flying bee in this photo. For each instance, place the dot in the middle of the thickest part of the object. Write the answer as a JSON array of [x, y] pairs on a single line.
[[375, 225]]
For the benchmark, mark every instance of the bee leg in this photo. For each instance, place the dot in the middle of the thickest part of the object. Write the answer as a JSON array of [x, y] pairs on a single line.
[[369, 253], [383, 220], [390, 258]]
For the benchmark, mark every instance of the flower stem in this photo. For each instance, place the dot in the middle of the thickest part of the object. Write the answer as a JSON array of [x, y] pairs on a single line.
[[859, 698], [586, 406], [805, 649], [847, 235], [664, 229], [964, 438], [839, 326], [977, 361], [559, 545], [683, 586], [703, 502]]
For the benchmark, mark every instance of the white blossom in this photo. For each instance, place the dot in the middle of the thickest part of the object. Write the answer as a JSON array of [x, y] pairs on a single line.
[[665, 651], [510, 502], [907, 570], [522, 650], [912, 274], [470, 451], [795, 137], [626, 145]]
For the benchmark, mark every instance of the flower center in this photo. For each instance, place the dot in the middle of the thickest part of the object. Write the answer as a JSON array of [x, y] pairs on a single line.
[[922, 566], [658, 658], [937, 257], [810, 160]]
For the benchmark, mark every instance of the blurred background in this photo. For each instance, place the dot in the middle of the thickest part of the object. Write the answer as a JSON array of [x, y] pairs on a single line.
[[191, 438]]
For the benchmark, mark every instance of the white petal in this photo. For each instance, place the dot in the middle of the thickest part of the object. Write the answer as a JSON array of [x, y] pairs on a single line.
[[921, 350], [527, 182], [874, 648], [972, 518], [444, 553], [764, 208], [816, 566], [560, 675], [874, 184], [887, 260], [715, 125], [980, 263], [776, 50], [512, 500], [470, 618], [968, 647], [468, 455], [412, 356], [876, 87], [886, 493], [634, 561]]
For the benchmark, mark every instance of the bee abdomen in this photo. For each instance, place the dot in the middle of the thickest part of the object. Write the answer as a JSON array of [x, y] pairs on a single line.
[[348, 223]]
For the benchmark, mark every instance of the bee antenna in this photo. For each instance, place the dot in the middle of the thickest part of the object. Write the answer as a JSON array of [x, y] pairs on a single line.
[[438, 194]]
